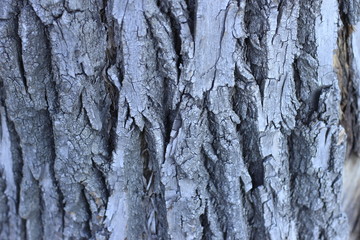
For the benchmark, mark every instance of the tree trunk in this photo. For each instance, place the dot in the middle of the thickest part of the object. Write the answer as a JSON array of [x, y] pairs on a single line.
[[349, 81], [172, 119]]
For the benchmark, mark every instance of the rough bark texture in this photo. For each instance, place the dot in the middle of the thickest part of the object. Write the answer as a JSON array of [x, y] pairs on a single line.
[[172, 119], [351, 197], [348, 70]]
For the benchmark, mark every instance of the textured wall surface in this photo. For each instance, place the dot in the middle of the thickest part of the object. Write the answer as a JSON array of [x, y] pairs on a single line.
[[173, 119]]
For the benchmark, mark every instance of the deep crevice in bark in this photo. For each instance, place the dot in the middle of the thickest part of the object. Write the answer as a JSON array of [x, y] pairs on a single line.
[[156, 226], [19, 56], [293, 167], [214, 188], [52, 88], [175, 29], [297, 79], [163, 109], [87, 226], [250, 150], [215, 169], [255, 218], [206, 225], [176, 43], [111, 88], [249, 136], [41, 207], [192, 11], [255, 44]]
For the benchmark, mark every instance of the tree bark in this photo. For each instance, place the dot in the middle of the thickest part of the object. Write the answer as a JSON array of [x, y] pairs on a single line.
[[173, 119], [349, 81]]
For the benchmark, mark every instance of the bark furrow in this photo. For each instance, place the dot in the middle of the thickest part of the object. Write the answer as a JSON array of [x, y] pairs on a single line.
[[174, 119]]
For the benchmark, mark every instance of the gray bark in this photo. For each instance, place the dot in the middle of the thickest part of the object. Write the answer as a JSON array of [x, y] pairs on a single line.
[[172, 119]]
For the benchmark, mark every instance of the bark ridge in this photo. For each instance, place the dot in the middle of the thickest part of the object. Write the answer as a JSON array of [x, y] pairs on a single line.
[[172, 119]]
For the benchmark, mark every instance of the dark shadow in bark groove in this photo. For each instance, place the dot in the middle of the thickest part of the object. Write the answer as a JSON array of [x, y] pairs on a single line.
[[216, 193], [192, 10], [19, 55], [251, 152], [256, 25], [112, 92], [175, 30], [249, 139], [297, 80], [176, 43], [206, 225], [87, 228], [153, 191], [41, 206], [249, 136]]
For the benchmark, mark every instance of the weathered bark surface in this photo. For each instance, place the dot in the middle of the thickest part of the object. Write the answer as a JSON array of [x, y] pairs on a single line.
[[351, 196], [171, 119], [349, 81], [349, 72]]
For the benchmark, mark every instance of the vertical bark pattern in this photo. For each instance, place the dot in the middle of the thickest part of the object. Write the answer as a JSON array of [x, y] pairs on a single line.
[[173, 119], [347, 64]]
